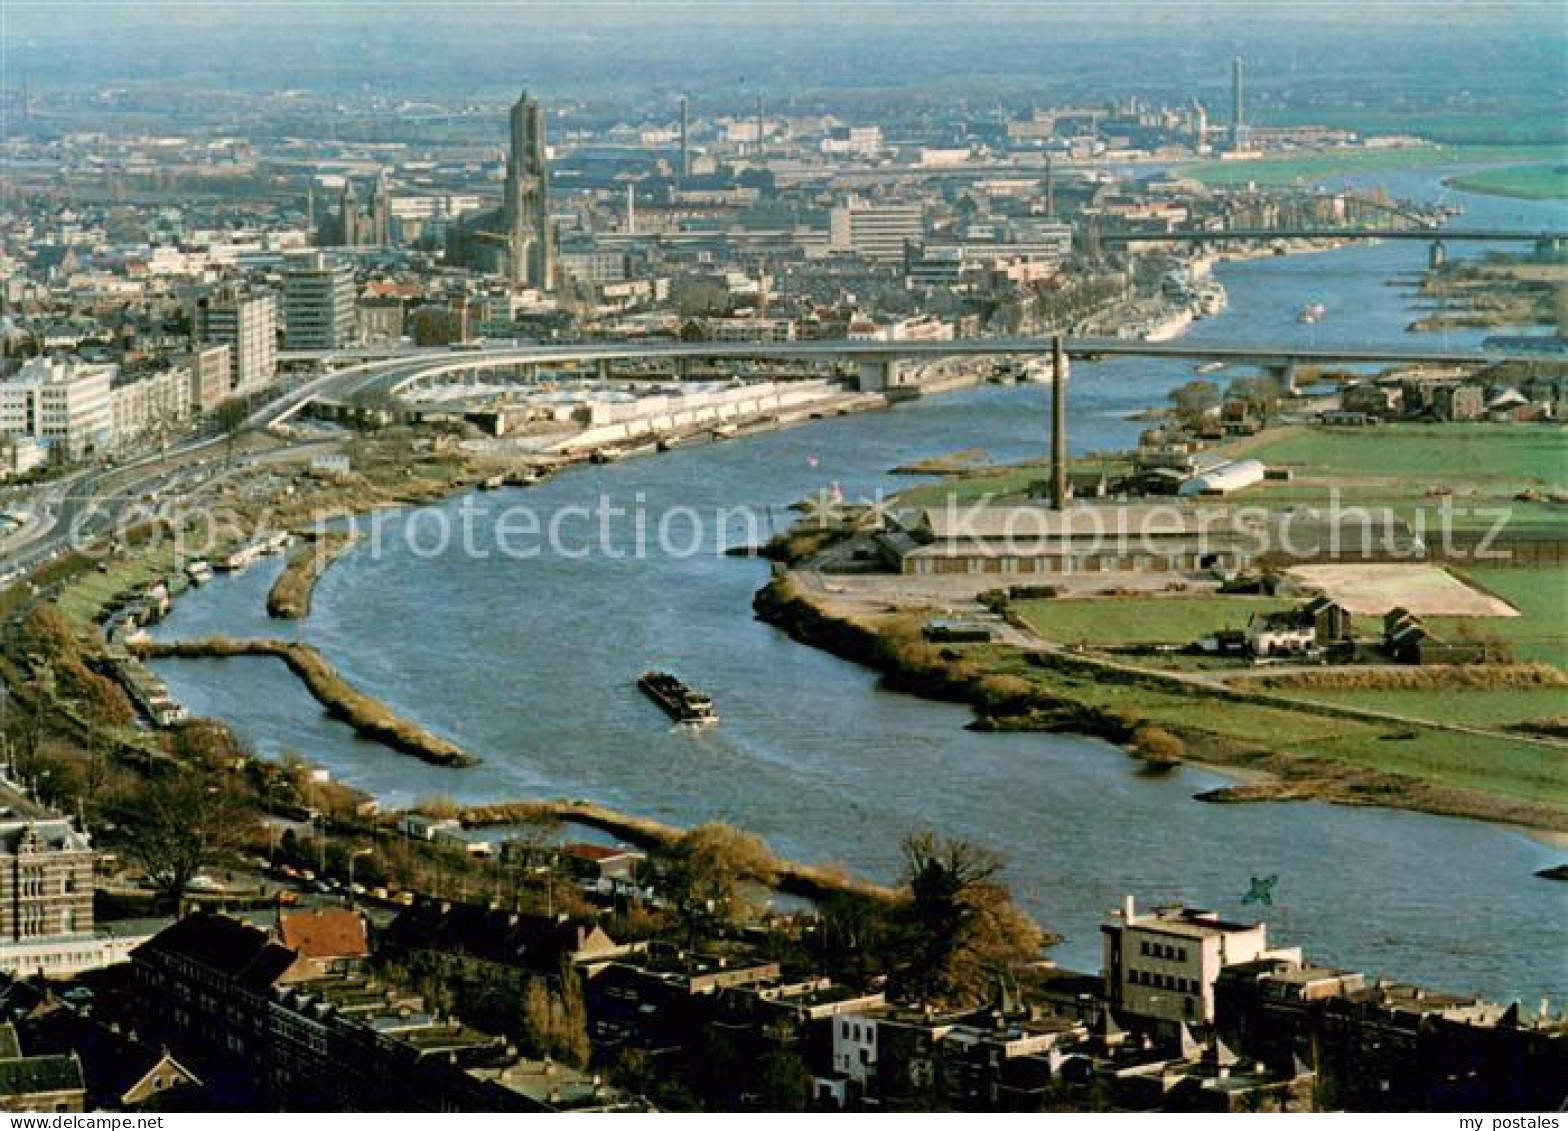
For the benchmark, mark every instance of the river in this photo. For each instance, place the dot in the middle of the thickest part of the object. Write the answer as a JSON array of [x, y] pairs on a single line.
[[530, 664]]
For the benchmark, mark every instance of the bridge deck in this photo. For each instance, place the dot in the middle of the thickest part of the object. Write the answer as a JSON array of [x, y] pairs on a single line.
[[381, 372]]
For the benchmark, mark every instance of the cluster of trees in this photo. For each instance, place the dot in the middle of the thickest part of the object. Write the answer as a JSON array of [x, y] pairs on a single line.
[[951, 934], [1193, 402]]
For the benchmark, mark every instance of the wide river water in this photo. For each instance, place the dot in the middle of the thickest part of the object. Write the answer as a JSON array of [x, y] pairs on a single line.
[[530, 664]]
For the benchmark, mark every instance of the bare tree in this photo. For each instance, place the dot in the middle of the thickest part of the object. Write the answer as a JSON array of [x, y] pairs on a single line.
[[175, 824], [230, 416], [707, 874], [961, 927], [1194, 401]]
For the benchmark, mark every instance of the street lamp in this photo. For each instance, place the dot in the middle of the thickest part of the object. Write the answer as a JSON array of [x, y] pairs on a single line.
[[353, 856], [319, 819]]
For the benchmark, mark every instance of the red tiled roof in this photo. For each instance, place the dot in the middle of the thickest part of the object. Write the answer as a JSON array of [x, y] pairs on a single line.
[[596, 851], [334, 932]]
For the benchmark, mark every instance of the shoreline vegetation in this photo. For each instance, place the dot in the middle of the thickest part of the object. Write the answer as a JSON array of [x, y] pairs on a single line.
[[290, 596], [1006, 695], [811, 881], [369, 717]]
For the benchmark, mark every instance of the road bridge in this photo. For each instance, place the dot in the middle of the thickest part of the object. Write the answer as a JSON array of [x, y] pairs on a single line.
[[1439, 237], [1455, 235], [393, 375]]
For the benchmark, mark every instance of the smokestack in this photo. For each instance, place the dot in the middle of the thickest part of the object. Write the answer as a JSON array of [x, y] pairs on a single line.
[[1058, 424], [631, 210], [759, 125], [1237, 111], [1050, 189], [685, 169]]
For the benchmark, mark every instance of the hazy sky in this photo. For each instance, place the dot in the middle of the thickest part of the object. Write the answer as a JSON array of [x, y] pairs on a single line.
[[46, 18], [586, 48]]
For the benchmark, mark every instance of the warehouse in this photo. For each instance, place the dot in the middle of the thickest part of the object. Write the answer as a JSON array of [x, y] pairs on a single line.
[[1140, 538]]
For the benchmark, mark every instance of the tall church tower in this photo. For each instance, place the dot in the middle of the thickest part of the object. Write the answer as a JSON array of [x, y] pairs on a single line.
[[348, 215], [525, 210], [380, 212]]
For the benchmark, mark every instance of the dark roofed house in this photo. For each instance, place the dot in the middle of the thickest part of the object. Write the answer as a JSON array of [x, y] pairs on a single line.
[[1331, 621], [204, 958], [42, 1083], [492, 958], [121, 1072], [47, 1082], [538, 943], [1408, 641]]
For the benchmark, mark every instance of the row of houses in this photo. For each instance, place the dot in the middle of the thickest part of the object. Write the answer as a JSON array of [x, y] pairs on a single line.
[[1191, 1012], [1534, 397], [295, 1018]]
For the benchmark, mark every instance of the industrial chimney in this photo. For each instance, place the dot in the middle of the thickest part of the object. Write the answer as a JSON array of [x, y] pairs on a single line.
[[1058, 424], [685, 168]]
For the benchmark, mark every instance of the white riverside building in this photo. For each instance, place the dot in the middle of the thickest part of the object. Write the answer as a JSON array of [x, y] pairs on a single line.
[[63, 403], [1163, 964]]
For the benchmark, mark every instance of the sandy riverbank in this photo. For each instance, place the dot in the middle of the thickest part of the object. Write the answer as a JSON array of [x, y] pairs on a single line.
[[291, 593]]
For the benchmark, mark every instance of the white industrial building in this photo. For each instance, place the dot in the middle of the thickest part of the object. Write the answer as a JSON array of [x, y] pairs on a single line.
[[875, 232], [63, 403]]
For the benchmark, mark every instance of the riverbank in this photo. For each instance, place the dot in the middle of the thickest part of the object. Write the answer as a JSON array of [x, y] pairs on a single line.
[[809, 881], [289, 598], [1014, 688], [1517, 182], [369, 717], [1286, 170]]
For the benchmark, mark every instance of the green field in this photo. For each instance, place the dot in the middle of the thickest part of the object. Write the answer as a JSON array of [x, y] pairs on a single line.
[[1494, 707], [1541, 595], [1500, 766], [1491, 765], [1318, 166], [83, 597], [1110, 621], [1427, 454], [1525, 182]]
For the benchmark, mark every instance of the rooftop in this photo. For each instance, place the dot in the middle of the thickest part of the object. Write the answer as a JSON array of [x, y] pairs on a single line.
[[324, 932]]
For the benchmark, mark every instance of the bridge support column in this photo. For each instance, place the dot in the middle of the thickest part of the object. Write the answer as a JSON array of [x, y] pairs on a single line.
[[1285, 373], [1437, 256], [886, 376], [1058, 424]]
